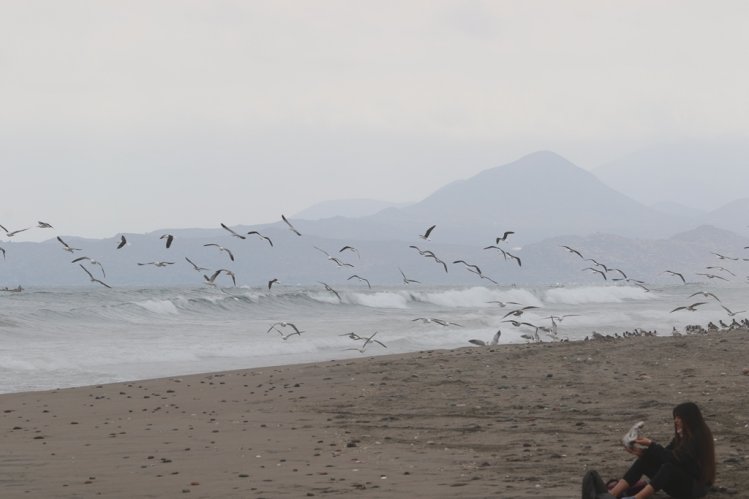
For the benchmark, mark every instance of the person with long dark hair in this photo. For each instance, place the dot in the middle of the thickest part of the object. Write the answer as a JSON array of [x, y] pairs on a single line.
[[683, 469]]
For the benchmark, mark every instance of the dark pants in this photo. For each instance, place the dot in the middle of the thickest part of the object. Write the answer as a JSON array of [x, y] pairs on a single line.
[[665, 474]]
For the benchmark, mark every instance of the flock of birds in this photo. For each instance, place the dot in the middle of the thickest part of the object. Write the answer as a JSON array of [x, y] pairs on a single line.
[[513, 317]]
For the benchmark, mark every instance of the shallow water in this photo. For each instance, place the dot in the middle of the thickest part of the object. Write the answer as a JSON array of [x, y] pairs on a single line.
[[52, 338]]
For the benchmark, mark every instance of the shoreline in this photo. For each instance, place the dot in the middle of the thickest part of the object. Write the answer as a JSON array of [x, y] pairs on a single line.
[[515, 420]]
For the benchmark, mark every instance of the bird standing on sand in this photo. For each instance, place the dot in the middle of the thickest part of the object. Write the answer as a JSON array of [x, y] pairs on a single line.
[[291, 227]]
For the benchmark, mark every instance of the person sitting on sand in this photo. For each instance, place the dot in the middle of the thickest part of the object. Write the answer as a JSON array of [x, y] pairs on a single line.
[[684, 468]]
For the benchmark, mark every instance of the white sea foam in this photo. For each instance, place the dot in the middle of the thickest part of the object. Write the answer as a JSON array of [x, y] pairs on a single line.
[[382, 299], [596, 294], [159, 306]]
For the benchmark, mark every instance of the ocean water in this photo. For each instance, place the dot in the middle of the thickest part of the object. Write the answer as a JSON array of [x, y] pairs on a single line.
[[53, 338]]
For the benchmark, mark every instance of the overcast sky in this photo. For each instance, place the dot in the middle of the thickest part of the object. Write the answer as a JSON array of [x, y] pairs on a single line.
[[132, 116]]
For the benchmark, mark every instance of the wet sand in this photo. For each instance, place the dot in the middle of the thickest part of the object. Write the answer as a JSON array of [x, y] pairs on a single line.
[[511, 421]]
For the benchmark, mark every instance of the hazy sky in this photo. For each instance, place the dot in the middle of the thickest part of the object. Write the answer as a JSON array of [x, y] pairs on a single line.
[[136, 115]]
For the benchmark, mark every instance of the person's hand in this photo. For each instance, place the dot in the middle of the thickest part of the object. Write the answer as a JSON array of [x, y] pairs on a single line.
[[634, 451], [644, 441]]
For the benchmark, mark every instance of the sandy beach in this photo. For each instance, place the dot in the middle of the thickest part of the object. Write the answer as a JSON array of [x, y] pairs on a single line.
[[510, 421]]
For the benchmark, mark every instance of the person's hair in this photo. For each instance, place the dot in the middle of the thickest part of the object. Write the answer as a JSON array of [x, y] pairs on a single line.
[[695, 429]]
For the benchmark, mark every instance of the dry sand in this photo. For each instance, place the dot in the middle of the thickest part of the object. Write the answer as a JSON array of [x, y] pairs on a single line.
[[509, 421]]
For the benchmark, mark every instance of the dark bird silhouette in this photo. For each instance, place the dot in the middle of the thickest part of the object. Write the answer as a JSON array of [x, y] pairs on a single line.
[[724, 257], [360, 278], [92, 262], [44, 225], [504, 236], [3, 250], [406, 280], [517, 259], [272, 282], [722, 269], [240, 236], [328, 288], [503, 304], [603, 274], [122, 242], [677, 274], [260, 235], [350, 248], [572, 250], [92, 278], [198, 269], [291, 227], [221, 248], [169, 238], [66, 247], [426, 234]]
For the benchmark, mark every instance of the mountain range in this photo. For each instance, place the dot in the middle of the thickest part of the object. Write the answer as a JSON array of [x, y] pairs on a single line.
[[545, 200]]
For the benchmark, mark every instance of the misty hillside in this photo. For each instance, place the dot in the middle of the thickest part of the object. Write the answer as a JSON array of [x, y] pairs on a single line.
[[352, 208], [700, 175]]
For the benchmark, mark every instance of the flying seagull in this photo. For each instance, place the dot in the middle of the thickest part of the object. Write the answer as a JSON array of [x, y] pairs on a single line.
[[723, 269], [712, 276], [518, 311], [603, 274], [406, 280], [122, 242], [705, 294], [361, 279], [11, 233], [260, 235], [690, 308], [93, 279], [66, 247], [350, 248], [272, 282], [503, 304], [425, 236], [504, 236], [328, 288], [169, 238], [366, 339], [157, 264], [240, 236], [221, 248], [333, 259], [198, 269], [680, 276], [92, 262], [291, 227], [730, 313], [3, 250], [44, 225], [572, 250]]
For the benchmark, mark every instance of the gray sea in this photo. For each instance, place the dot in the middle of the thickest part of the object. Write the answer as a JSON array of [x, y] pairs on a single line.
[[63, 337]]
